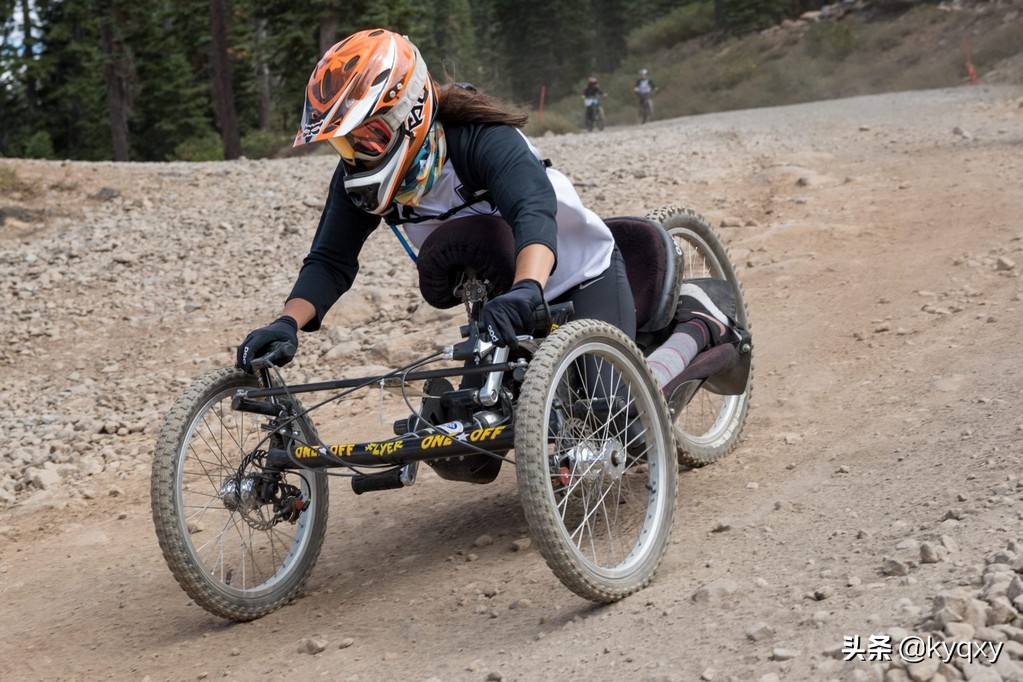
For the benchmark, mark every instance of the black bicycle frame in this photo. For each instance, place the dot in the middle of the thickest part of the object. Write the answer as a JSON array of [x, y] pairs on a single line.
[[413, 447], [457, 439]]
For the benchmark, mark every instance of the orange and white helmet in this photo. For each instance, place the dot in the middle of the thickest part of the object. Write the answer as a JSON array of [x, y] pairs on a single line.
[[372, 98]]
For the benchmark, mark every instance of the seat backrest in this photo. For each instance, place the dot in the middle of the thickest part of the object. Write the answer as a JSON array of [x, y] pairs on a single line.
[[485, 246], [653, 262]]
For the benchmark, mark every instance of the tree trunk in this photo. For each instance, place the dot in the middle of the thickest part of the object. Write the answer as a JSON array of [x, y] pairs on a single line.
[[263, 77], [116, 104], [26, 52], [223, 90], [328, 32]]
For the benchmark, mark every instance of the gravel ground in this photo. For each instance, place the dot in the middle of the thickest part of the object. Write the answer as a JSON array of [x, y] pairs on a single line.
[[876, 492]]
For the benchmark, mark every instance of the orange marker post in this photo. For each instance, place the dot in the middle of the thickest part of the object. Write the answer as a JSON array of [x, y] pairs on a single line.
[[969, 63]]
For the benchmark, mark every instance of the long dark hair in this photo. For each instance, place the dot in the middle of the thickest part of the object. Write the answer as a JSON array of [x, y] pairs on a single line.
[[458, 104]]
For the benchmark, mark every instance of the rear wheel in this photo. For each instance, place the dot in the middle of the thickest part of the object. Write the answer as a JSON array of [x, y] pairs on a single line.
[[214, 506], [709, 427], [595, 461]]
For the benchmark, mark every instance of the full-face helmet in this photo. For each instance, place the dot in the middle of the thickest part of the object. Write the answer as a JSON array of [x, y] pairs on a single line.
[[372, 98]]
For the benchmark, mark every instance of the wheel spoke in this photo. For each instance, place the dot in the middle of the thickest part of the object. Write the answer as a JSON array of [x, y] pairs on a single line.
[[226, 550]]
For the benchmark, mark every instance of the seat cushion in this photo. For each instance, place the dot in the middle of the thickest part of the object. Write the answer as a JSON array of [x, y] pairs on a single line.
[[483, 245]]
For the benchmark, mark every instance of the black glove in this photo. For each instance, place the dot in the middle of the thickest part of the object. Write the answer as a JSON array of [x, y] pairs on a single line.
[[257, 343], [511, 313]]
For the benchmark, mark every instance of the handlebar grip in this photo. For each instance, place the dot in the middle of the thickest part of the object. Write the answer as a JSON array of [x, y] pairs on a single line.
[[279, 350], [560, 313]]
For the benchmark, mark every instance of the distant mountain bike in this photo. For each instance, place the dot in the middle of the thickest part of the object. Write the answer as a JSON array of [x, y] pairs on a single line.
[[646, 107], [239, 482], [594, 113]]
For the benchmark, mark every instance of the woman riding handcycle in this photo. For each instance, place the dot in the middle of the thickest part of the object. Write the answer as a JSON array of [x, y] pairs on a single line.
[[593, 439]]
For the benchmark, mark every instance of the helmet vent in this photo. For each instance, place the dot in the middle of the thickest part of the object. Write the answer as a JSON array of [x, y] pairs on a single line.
[[382, 77], [350, 64], [329, 86]]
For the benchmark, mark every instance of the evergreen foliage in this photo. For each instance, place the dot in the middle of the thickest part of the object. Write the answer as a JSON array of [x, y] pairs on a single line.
[[105, 79]]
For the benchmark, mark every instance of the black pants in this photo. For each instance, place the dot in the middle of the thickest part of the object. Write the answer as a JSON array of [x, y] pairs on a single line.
[[606, 297]]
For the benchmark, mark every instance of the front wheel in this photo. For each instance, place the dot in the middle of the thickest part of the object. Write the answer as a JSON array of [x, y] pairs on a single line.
[[709, 427], [214, 505], [595, 461]]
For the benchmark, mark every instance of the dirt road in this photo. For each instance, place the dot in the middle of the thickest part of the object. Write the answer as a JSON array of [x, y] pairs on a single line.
[[880, 244]]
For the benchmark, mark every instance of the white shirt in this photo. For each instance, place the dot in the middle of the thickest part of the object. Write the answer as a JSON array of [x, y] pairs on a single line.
[[584, 241]]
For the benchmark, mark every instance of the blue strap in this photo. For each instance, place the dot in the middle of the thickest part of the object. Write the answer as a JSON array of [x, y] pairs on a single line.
[[404, 242]]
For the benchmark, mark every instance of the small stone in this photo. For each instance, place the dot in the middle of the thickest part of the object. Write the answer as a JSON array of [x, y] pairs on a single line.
[[708, 675], [346, 642], [483, 541], [715, 590], [894, 567], [494, 676], [925, 670], [959, 631], [780, 654], [1004, 263], [312, 645], [759, 632], [521, 545], [722, 525], [823, 593], [929, 553]]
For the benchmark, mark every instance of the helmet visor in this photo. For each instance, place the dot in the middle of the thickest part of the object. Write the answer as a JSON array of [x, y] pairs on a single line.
[[368, 142]]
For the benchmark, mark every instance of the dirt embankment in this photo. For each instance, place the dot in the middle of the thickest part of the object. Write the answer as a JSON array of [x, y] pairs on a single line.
[[876, 492]]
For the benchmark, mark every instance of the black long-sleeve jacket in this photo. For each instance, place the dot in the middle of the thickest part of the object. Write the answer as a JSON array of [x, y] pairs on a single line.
[[491, 157]]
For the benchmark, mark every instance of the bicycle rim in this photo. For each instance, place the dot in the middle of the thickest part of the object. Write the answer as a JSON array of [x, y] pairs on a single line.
[[232, 548]]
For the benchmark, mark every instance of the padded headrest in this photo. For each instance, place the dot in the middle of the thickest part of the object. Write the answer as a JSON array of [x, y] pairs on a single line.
[[484, 245]]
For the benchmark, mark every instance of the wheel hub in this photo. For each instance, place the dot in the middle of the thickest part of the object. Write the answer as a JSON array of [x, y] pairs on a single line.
[[592, 462], [240, 496]]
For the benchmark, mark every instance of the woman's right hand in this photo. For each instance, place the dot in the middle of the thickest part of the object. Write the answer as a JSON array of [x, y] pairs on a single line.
[[284, 329]]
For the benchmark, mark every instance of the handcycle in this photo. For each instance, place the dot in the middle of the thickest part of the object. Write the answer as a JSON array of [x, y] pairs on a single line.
[[239, 481]]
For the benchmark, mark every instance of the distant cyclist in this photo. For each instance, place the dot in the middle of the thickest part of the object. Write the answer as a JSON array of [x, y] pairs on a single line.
[[592, 96], [644, 89], [592, 88]]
